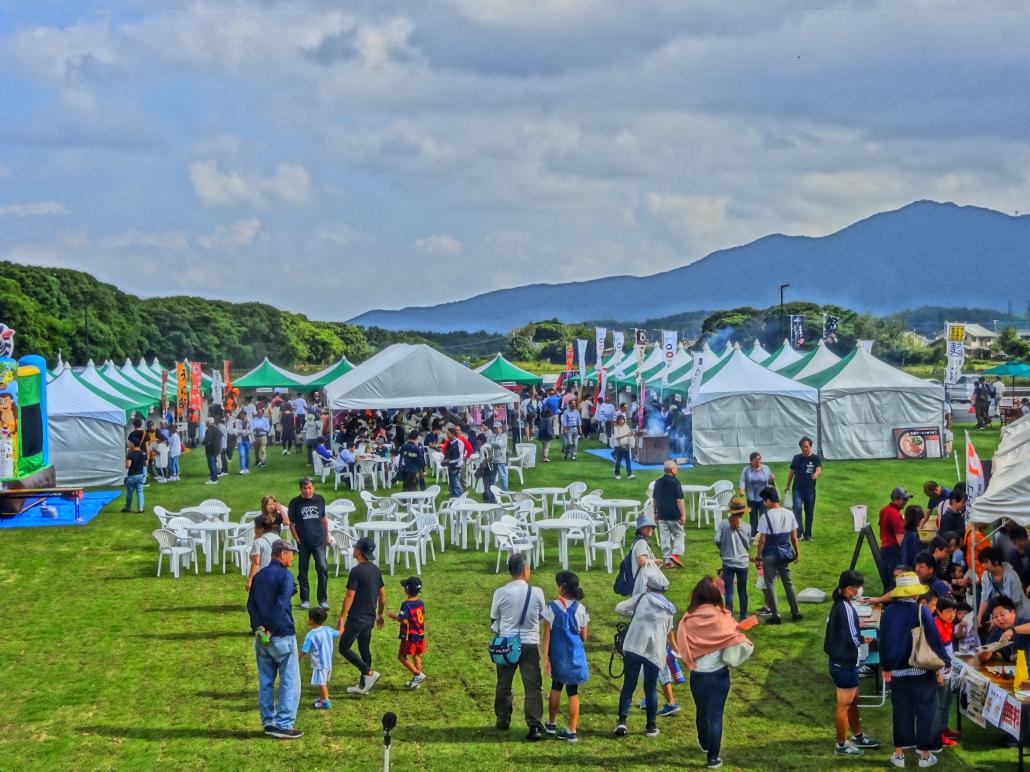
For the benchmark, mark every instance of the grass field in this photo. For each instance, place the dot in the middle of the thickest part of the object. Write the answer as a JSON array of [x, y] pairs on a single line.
[[106, 666]]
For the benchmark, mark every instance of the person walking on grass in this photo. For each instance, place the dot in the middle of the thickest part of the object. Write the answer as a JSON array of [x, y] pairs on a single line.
[[668, 508], [754, 478], [412, 617], [318, 644], [212, 449], [733, 538], [363, 608], [621, 441], [516, 610], [841, 644], [571, 423], [565, 660], [261, 428], [778, 548], [454, 457], [805, 469], [269, 608], [310, 529], [244, 437], [135, 475]]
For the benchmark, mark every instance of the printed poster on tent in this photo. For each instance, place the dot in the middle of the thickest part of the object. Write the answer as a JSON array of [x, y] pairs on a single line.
[[918, 442]]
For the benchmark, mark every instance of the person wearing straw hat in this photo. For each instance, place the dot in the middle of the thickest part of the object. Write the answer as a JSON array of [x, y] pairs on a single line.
[[913, 689], [733, 538]]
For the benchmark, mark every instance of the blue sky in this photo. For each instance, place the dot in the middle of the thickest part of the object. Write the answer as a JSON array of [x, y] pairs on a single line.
[[329, 158]]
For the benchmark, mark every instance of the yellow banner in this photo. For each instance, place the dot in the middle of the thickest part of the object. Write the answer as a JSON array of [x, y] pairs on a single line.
[[956, 333]]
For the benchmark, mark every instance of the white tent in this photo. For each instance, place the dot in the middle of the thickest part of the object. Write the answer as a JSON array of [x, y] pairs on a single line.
[[87, 434], [1014, 447], [782, 357], [758, 353], [862, 400], [1014, 434], [743, 407], [815, 361], [156, 368], [1007, 495], [406, 375]]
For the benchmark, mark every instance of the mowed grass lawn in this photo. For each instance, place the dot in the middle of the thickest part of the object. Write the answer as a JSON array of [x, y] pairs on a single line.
[[105, 666]]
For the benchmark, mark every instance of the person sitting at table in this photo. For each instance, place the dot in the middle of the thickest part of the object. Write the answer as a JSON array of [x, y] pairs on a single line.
[[323, 451], [1007, 625], [345, 461], [999, 578]]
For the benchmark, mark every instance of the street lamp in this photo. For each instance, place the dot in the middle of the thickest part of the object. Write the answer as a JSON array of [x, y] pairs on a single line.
[[783, 330]]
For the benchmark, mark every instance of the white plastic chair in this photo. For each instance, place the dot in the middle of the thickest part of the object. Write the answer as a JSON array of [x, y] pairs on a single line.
[[365, 471], [576, 489], [164, 515], [507, 538], [715, 501], [339, 511], [610, 541], [428, 523], [215, 509], [408, 542], [342, 547], [319, 466], [341, 474], [517, 464], [168, 544], [239, 545], [583, 534], [250, 516]]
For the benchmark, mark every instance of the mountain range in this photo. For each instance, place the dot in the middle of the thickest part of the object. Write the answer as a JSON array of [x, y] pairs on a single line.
[[926, 253]]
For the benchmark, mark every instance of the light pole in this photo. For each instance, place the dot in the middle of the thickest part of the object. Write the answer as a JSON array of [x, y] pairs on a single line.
[[783, 329]]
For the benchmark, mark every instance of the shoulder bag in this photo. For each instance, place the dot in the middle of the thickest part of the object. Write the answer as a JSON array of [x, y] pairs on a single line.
[[923, 655], [507, 649], [739, 653]]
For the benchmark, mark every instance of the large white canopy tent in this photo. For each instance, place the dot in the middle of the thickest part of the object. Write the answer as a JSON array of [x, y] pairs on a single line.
[[1015, 433], [406, 375], [1007, 495], [87, 434], [862, 400], [782, 357], [815, 361], [743, 407], [757, 352]]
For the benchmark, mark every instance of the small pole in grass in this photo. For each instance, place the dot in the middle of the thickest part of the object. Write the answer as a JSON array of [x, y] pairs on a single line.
[[389, 722]]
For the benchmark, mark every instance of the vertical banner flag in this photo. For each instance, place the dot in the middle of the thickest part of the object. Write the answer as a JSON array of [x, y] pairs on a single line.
[[226, 380], [797, 330], [955, 352], [641, 342], [974, 472], [618, 340], [867, 346], [182, 392], [568, 357], [164, 394], [217, 392], [196, 377], [695, 378], [599, 336], [581, 353], [668, 352], [830, 328]]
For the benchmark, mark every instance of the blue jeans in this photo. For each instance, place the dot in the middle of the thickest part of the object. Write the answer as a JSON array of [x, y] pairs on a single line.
[[212, 467], [454, 482], [634, 663], [134, 484], [502, 476], [804, 500], [280, 658], [244, 454], [709, 691], [730, 574], [620, 455], [173, 466]]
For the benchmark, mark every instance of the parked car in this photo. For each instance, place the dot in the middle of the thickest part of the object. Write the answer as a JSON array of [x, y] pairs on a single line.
[[962, 390]]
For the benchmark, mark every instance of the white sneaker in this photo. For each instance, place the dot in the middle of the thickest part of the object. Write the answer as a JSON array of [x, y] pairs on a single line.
[[927, 761], [356, 689], [898, 761], [223, 474], [632, 477], [210, 482], [370, 681], [416, 681]]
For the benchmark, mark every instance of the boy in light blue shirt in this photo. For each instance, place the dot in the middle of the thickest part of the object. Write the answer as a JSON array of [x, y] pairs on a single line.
[[318, 643]]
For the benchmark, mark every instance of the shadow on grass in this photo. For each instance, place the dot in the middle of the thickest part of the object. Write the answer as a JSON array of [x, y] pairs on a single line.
[[160, 734], [242, 694], [227, 608]]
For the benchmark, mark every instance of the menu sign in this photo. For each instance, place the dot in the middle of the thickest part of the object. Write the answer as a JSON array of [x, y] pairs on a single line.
[[918, 442]]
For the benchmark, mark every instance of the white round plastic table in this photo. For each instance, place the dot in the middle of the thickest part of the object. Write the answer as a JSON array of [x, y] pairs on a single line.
[[208, 530], [562, 526], [407, 498], [543, 493], [615, 507], [469, 505], [693, 493], [387, 527]]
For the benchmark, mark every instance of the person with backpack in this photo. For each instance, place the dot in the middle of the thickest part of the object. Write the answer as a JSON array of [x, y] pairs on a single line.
[[486, 471], [565, 660], [632, 576], [515, 615], [777, 548], [644, 646], [841, 645]]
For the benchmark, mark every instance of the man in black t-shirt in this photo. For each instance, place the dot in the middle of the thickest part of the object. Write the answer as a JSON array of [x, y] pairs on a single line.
[[412, 462], [668, 511], [310, 528], [362, 610], [805, 469], [135, 475]]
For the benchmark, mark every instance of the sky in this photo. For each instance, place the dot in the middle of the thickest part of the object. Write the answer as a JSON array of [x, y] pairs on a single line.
[[333, 157]]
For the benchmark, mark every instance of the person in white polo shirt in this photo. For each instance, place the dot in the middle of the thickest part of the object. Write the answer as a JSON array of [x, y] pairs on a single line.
[[517, 608]]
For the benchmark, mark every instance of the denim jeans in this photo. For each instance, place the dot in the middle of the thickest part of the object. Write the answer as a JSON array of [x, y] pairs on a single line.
[[244, 454], [620, 455], [914, 704], [709, 691], [634, 664], [570, 441], [173, 466], [729, 574], [454, 481], [212, 467], [502, 476], [804, 500], [757, 510], [278, 657], [304, 556], [134, 484], [890, 557]]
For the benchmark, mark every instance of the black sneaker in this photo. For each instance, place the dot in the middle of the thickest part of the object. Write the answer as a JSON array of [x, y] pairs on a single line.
[[284, 734], [620, 728], [502, 726], [774, 620], [536, 734], [797, 617], [764, 611]]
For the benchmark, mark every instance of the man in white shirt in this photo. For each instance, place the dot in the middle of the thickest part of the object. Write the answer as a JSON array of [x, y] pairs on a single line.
[[261, 427], [300, 406], [517, 609]]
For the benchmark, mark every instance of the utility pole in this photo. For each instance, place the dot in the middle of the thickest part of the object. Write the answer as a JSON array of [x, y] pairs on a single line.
[[85, 324], [783, 329]]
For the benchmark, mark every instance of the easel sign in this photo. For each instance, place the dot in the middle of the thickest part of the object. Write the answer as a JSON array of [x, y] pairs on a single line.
[[867, 535]]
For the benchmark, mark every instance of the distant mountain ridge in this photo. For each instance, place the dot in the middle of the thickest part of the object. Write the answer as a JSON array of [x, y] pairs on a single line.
[[926, 253]]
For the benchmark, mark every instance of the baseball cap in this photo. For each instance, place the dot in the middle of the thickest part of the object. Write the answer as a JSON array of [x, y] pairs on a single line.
[[900, 493], [412, 585], [365, 546], [279, 547]]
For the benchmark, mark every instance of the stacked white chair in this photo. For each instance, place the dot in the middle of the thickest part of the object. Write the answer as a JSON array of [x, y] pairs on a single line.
[[714, 502], [168, 544], [610, 541]]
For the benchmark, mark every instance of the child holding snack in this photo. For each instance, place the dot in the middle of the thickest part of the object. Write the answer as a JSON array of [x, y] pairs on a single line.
[[412, 617]]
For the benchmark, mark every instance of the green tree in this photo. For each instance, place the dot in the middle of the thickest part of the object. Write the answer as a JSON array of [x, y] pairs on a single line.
[[1010, 344]]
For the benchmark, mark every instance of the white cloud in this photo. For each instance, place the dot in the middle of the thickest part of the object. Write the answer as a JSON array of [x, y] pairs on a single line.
[[141, 240], [226, 238], [339, 235], [34, 209], [291, 184], [440, 244]]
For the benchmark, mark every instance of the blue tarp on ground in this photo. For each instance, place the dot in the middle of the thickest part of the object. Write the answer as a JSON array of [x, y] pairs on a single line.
[[89, 508], [606, 455]]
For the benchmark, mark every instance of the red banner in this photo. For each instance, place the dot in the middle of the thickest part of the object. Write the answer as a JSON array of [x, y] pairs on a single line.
[[196, 377], [569, 358]]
